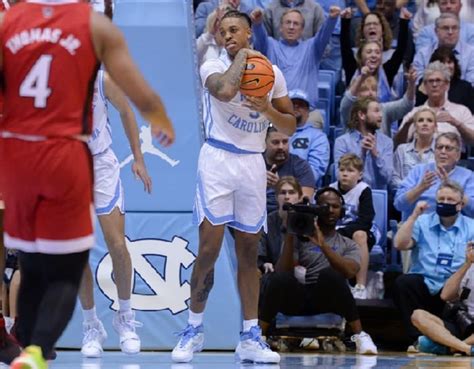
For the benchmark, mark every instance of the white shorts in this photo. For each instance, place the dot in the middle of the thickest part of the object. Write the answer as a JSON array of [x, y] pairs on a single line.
[[108, 190], [231, 189]]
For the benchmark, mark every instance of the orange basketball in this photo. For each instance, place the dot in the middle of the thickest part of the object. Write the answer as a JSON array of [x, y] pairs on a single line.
[[258, 77]]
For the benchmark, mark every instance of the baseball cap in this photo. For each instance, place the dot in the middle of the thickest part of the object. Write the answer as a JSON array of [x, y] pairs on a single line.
[[300, 95]]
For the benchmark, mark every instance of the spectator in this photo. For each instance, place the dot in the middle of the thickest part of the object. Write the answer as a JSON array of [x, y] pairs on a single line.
[[308, 142], [460, 91], [451, 117], [438, 240], [419, 151], [426, 14], [447, 32], [357, 222], [320, 284], [205, 8], [365, 85], [280, 162], [312, 12], [423, 180], [298, 59], [366, 141], [374, 30], [427, 34], [443, 336]]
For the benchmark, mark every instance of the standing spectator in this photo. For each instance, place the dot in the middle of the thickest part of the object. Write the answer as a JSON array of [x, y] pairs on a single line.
[[367, 141], [423, 180], [460, 91], [280, 162], [419, 151], [298, 59], [357, 223], [447, 33], [312, 12], [438, 240], [308, 142]]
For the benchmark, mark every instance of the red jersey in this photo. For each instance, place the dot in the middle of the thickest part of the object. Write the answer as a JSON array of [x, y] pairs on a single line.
[[49, 68]]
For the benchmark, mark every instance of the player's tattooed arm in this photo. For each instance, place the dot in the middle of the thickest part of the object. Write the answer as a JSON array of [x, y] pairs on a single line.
[[224, 86]]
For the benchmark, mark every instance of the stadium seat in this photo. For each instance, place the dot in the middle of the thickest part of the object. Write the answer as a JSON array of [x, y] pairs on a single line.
[[378, 252]]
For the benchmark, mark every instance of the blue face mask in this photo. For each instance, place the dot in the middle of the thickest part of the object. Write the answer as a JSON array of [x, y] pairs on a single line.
[[446, 210]]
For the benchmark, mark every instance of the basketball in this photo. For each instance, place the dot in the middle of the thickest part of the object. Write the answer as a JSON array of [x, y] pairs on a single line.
[[258, 77]]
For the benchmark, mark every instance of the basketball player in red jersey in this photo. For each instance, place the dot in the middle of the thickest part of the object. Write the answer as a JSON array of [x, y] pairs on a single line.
[[51, 50]]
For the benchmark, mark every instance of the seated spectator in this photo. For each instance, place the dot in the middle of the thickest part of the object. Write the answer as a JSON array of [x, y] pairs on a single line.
[[280, 162], [426, 14], [308, 142], [419, 151], [287, 190], [319, 285], [438, 240], [359, 214], [210, 44], [451, 117], [454, 332], [205, 8], [460, 91], [367, 141], [423, 180], [374, 30], [427, 35], [365, 85], [312, 12], [447, 32], [298, 59]]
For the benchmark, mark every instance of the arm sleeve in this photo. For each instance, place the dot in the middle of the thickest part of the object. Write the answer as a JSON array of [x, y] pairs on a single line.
[[366, 214], [407, 184], [200, 17], [260, 38], [396, 110], [303, 173], [280, 89], [210, 67], [339, 149], [268, 22], [345, 108], [416, 232], [349, 63], [320, 41], [384, 161], [397, 167], [392, 65]]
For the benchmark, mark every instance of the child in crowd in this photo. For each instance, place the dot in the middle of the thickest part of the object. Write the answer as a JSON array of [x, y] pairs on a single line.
[[357, 220]]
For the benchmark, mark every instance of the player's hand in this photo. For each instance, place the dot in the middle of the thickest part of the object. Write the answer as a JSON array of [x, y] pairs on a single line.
[[257, 16], [346, 13], [163, 132], [268, 268], [258, 104], [140, 172], [428, 180], [420, 208], [334, 11]]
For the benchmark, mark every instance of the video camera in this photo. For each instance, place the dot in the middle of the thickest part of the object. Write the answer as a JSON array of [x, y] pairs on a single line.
[[301, 217]]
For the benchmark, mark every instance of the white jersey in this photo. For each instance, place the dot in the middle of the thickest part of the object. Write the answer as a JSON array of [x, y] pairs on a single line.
[[99, 5], [230, 125], [101, 137]]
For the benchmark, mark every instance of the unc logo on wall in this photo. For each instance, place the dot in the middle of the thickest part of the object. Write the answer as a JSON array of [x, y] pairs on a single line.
[[156, 272]]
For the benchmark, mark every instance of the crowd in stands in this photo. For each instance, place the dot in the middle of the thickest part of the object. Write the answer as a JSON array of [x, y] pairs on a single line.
[[402, 123]]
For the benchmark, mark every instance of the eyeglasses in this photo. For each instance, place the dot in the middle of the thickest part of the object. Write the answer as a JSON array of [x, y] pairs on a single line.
[[437, 81], [448, 148], [449, 28]]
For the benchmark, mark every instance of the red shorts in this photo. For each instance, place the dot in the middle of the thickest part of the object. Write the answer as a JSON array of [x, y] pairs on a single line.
[[47, 189]]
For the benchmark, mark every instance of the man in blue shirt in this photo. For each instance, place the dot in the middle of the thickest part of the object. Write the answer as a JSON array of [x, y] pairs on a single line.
[[447, 28], [423, 180], [280, 163], [427, 35], [439, 242], [308, 142], [367, 141], [298, 59]]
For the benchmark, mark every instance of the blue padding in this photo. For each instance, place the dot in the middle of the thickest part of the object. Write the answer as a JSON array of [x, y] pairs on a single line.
[[327, 321]]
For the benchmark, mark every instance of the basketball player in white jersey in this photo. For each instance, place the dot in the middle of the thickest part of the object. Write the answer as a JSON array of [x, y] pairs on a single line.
[[232, 184], [108, 199]]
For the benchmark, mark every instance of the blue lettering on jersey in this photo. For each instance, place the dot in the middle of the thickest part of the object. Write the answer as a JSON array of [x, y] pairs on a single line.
[[247, 126]]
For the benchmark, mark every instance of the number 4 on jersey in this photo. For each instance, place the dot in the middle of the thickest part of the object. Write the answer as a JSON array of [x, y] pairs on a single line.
[[35, 84]]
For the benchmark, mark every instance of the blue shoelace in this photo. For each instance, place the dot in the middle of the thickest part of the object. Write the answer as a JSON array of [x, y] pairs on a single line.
[[188, 333], [255, 334]]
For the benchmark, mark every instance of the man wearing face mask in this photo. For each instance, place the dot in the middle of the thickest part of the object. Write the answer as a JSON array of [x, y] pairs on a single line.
[[438, 241]]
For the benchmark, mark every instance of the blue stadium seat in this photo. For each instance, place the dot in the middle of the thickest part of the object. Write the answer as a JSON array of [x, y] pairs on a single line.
[[327, 79], [323, 106]]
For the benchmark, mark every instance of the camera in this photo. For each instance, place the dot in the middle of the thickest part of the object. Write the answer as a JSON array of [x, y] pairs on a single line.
[[301, 217]]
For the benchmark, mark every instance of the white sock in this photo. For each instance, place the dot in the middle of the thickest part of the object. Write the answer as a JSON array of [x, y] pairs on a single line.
[[90, 315], [125, 306], [195, 319], [249, 324]]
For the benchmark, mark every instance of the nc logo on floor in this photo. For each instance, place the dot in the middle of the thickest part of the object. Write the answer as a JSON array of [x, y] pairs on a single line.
[[158, 264]]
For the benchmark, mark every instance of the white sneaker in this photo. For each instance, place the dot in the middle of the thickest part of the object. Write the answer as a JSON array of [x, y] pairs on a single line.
[[191, 341], [364, 344], [125, 324], [253, 348], [309, 344], [359, 292], [94, 337]]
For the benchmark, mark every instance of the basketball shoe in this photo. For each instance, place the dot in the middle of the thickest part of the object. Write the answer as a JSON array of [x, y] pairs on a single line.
[[30, 358], [253, 348], [191, 341], [125, 324], [94, 337]]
